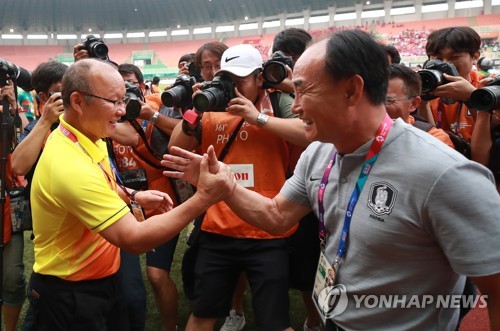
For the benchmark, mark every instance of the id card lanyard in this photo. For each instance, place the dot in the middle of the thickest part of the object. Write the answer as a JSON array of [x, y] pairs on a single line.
[[136, 207], [368, 164]]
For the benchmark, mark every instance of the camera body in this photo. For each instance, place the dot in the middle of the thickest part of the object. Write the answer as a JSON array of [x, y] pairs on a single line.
[[216, 94], [10, 71], [274, 69], [486, 98], [180, 93], [194, 71], [96, 47], [133, 109], [432, 74]]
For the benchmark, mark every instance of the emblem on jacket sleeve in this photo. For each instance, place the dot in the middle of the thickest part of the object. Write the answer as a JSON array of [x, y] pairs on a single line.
[[381, 198]]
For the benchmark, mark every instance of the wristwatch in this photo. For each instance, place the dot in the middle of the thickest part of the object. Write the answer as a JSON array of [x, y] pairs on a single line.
[[262, 119], [154, 119]]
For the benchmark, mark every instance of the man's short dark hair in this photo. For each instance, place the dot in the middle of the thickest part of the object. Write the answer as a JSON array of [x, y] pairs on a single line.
[[46, 74], [215, 47], [156, 80], [411, 80], [292, 41], [187, 58], [393, 53], [355, 52], [459, 39], [130, 69]]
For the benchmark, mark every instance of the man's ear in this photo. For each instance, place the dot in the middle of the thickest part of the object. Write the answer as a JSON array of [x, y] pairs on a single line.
[[475, 57], [76, 101], [354, 89], [415, 102], [43, 97], [260, 80]]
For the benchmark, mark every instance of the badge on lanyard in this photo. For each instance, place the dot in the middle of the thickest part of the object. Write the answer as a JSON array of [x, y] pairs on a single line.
[[137, 211], [330, 299]]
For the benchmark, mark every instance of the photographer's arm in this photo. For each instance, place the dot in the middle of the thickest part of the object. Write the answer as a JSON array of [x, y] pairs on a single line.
[[27, 152], [180, 139], [481, 139], [126, 135], [424, 111], [290, 129]]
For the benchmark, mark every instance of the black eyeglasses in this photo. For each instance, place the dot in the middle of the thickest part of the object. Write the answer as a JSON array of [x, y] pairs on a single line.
[[117, 103], [391, 100]]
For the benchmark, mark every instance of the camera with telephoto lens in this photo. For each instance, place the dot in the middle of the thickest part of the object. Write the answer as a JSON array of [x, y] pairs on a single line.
[[486, 98], [10, 71], [134, 94], [432, 74], [216, 94], [274, 69], [96, 47], [180, 93]]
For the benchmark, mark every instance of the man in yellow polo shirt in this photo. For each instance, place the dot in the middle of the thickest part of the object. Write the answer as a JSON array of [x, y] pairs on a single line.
[[80, 213]]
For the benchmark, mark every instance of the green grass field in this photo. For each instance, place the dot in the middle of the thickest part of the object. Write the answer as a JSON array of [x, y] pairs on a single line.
[[153, 323]]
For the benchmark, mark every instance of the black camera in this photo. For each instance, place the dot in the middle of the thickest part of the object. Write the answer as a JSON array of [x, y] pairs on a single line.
[[432, 74], [180, 93], [486, 98], [274, 69], [134, 94], [10, 71], [194, 71], [216, 94], [96, 47]]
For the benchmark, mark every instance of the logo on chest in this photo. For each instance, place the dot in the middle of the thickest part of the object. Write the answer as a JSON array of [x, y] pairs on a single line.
[[381, 198]]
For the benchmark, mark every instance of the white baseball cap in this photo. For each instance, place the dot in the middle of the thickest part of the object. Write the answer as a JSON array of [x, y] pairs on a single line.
[[240, 60]]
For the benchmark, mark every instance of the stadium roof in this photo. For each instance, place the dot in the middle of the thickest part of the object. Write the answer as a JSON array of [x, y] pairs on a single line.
[[118, 15]]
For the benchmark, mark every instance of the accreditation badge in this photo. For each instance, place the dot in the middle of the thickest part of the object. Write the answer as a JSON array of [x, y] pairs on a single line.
[[137, 211], [327, 297]]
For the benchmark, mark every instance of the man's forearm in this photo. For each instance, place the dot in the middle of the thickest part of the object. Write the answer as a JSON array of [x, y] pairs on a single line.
[[180, 139], [167, 124], [265, 213], [27, 152]]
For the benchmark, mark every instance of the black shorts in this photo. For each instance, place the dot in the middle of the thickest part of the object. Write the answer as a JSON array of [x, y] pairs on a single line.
[[218, 266], [162, 256], [304, 253], [91, 305]]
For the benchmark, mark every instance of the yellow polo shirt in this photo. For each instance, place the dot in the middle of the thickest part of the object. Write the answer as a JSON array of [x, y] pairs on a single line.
[[72, 200]]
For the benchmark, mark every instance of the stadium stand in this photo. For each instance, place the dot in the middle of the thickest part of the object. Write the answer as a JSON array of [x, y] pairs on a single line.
[[29, 57]]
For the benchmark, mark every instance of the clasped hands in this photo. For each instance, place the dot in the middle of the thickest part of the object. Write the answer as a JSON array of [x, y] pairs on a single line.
[[214, 180]]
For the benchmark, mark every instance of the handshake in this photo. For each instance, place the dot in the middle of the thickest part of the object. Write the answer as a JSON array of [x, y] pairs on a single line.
[[214, 180]]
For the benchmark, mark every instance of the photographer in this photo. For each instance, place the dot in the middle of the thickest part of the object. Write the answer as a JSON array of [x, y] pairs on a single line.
[[135, 160], [403, 97], [226, 243], [13, 281], [292, 42], [458, 46], [46, 80]]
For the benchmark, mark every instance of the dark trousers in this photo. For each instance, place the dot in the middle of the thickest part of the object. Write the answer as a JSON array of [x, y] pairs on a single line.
[[134, 292], [92, 305]]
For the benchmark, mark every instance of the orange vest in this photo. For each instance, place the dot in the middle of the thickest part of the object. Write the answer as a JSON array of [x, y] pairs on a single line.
[[259, 160], [128, 159], [452, 113]]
